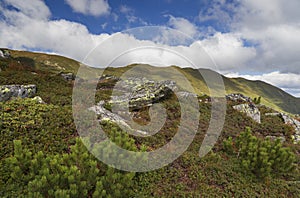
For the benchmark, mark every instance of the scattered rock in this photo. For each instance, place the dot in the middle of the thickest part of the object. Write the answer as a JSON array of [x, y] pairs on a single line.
[[251, 110], [38, 99], [4, 53], [106, 115], [68, 76], [22, 91], [237, 97], [273, 114], [140, 92], [289, 121]]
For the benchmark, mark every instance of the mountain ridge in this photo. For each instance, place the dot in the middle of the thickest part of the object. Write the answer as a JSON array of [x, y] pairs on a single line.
[[271, 96]]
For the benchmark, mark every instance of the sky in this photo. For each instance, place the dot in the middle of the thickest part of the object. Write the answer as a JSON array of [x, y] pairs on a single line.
[[254, 39]]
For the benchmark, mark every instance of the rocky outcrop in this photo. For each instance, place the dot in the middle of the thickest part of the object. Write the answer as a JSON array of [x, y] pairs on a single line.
[[106, 115], [4, 53], [295, 124], [237, 97], [251, 110], [68, 76], [22, 91], [141, 92], [289, 121]]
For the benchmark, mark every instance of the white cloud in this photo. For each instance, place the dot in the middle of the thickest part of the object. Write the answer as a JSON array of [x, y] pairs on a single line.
[[21, 31], [228, 51], [287, 81], [90, 7], [278, 44], [183, 25], [126, 10], [130, 16], [34, 9]]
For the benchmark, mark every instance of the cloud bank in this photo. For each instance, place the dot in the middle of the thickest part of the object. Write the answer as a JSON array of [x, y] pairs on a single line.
[[262, 37]]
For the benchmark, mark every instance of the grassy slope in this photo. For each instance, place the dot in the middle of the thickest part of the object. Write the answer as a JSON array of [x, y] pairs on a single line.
[[215, 175], [271, 96]]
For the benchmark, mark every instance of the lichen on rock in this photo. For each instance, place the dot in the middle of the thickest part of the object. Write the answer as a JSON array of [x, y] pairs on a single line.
[[141, 92], [251, 110], [13, 91]]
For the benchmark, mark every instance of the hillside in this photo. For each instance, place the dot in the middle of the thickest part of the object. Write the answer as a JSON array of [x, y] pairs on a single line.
[[271, 95], [42, 156]]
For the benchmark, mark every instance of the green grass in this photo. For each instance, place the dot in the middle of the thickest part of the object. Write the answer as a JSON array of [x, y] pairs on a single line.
[[49, 128]]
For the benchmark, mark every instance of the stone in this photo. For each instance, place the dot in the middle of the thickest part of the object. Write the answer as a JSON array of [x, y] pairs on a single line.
[[295, 124], [4, 53], [141, 92], [251, 111], [292, 122], [68, 76], [106, 115], [237, 97], [13, 91], [38, 99]]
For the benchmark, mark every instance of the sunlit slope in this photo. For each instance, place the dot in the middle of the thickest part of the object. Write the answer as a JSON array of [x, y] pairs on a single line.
[[270, 95]]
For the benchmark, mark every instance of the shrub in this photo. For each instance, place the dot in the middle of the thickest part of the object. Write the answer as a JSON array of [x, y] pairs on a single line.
[[263, 157], [74, 174]]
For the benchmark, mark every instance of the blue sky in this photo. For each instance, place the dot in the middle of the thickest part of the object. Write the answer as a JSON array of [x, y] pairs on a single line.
[[258, 40]]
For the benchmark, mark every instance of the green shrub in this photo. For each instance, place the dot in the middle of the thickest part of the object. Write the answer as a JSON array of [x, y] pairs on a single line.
[[74, 174], [264, 157]]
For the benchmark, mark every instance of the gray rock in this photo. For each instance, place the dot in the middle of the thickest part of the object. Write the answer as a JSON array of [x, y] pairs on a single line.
[[290, 121], [251, 110], [4, 53], [106, 115], [141, 92], [22, 91], [68, 76], [237, 97], [38, 99], [295, 124]]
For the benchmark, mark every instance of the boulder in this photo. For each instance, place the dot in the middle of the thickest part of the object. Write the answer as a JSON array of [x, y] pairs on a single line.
[[237, 97], [22, 91], [68, 76], [4, 53], [141, 92], [290, 121], [295, 124], [106, 115], [251, 110], [38, 99]]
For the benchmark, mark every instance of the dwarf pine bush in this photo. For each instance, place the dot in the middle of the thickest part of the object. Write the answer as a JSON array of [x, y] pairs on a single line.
[[261, 157], [74, 174]]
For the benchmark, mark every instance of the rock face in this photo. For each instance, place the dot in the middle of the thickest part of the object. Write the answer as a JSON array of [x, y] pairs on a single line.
[[237, 97], [251, 110], [141, 92], [22, 91]]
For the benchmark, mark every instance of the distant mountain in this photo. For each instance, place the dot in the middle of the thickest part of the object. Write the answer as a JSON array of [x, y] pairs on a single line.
[[270, 95]]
